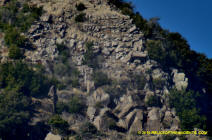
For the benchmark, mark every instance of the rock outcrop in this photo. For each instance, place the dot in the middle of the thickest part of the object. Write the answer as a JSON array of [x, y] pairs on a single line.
[[51, 136], [120, 46], [180, 81]]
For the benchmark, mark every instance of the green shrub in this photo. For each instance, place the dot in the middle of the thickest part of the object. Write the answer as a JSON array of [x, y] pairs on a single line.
[[91, 59], [15, 52], [80, 17], [19, 15], [58, 124], [156, 51], [58, 84], [89, 55], [88, 128], [18, 75], [60, 107], [14, 114], [18, 82], [127, 11], [87, 131], [69, 73], [186, 105], [13, 37], [100, 79], [154, 101], [63, 52], [76, 105], [80, 7]]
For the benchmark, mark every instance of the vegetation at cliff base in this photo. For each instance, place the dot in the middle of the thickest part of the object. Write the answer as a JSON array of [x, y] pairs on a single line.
[[59, 126], [18, 82], [15, 52], [20, 76], [14, 113], [188, 109], [100, 79], [74, 106]]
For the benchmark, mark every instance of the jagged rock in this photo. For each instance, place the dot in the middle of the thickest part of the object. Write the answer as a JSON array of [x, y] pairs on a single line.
[[138, 45], [90, 86], [148, 94], [72, 43], [170, 121], [126, 39], [137, 123], [122, 123], [99, 96], [51, 136], [119, 49], [106, 51], [130, 118], [158, 74], [132, 29], [91, 112], [126, 108], [59, 40], [45, 18], [53, 96], [44, 109], [115, 44], [138, 54], [121, 44], [153, 120], [181, 82], [99, 121], [127, 58], [34, 28]]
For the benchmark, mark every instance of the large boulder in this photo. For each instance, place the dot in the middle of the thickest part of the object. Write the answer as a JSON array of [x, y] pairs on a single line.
[[51, 136], [100, 120], [179, 79], [132, 29], [153, 120]]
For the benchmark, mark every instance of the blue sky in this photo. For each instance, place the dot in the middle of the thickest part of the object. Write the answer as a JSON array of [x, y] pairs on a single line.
[[191, 18]]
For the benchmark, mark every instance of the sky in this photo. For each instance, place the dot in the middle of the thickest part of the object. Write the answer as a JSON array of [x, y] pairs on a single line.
[[191, 18]]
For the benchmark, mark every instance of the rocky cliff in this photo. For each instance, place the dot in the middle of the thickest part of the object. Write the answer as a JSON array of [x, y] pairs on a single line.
[[133, 92]]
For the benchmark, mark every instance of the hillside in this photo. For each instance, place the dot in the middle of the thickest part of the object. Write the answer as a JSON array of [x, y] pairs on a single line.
[[94, 69]]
